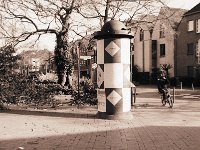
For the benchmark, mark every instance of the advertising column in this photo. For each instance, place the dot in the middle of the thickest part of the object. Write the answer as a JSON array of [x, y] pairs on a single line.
[[113, 69]]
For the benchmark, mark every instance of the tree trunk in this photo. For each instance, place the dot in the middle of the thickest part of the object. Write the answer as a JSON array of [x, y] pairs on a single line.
[[107, 10], [62, 60], [62, 79]]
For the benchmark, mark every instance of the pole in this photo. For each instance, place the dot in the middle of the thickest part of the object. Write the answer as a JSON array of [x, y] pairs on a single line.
[[173, 94], [134, 94], [78, 50], [192, 86], [143, 59], [131, 64]]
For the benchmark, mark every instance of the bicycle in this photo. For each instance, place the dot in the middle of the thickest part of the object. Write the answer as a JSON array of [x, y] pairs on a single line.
[[168, 99]]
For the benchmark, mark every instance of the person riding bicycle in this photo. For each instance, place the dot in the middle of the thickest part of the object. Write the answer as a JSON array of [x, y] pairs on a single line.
[[163, 84]]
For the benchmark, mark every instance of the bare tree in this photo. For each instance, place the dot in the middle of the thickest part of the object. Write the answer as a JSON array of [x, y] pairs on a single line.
[[60, 17], [103, 10], [38, 17]]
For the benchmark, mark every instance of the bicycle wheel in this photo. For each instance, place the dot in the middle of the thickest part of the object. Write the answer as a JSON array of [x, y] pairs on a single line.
[[170, 101]]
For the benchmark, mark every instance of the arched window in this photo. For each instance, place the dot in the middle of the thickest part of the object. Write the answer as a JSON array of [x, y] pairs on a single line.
[[162, 31], [141, 34]]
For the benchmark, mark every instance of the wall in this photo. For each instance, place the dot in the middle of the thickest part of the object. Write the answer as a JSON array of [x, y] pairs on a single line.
[[183, 60], [142, 54], [168, 40]]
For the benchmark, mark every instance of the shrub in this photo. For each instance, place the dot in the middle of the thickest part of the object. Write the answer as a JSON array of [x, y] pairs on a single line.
[[17, 89], [86, 96]]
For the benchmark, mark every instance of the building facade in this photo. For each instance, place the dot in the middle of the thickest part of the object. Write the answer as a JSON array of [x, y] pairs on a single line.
[[87, 51], [165, 36], [143, 48], [36, 61], [170, 38], [188, 45], [155, 42]]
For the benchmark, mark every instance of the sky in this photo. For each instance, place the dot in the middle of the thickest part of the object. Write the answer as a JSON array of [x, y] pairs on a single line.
[[47, 42], [185, 4]]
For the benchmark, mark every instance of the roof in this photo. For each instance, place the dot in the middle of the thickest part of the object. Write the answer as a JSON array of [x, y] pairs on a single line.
[[173, 15], [40, 54], [195, 9], [147, 20]]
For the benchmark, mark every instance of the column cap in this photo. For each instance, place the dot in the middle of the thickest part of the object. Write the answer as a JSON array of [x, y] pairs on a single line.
[[113, 29]]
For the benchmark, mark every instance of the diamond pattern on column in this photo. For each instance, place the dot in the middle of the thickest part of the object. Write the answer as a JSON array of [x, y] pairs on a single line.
[[114, 97], [100, 76], [112, 48]]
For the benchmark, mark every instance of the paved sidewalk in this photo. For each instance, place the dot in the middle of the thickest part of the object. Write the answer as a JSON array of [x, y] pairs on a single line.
[[153, 127]]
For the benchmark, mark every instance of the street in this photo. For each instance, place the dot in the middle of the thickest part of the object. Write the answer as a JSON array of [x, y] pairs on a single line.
[[153, 127]]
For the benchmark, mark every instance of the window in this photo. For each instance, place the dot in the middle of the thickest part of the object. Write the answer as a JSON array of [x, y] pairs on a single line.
[[154, 53], [191, 25], [151, 32], [190, 71], [198, 26], [141, 35], [162, 50], [162, 31], [87, 62], [92, 59], [198, 51], [190, 48], [154, 49], [82, 62], [198, 48]]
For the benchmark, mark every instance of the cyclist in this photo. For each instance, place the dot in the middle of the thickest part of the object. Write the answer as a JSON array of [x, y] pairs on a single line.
[[163, 84]]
